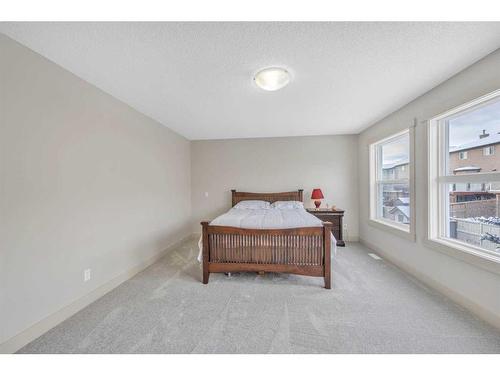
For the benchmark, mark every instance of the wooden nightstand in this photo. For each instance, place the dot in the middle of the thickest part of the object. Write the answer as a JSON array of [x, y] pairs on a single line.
[[333, 216]]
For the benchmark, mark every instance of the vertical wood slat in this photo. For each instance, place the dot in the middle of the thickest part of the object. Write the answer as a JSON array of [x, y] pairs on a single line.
[[306, 254], [220, 251], [215, 248], [301, 250], [230, 249]]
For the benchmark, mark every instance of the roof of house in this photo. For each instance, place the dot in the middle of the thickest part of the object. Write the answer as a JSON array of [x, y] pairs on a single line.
[[479, 142], [405, 210], [395, 164], [467, 169], [404, 200]]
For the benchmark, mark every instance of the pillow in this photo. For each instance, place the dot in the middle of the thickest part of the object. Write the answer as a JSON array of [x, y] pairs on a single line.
[[253, 205], [287, 205]]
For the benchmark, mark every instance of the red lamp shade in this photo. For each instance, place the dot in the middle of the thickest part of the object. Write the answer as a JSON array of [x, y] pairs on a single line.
[[317, 194]]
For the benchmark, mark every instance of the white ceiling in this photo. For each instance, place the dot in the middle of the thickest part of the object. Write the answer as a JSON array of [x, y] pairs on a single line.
[[196, 78]]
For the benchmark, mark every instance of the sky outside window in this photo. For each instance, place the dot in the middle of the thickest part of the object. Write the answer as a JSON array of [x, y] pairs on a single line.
[[467, 127]]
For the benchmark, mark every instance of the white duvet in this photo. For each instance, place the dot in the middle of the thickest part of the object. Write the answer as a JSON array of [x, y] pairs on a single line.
[[273, 218]]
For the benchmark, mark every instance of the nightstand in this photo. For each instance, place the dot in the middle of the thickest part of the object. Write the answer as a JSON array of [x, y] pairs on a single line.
[[333, 216]]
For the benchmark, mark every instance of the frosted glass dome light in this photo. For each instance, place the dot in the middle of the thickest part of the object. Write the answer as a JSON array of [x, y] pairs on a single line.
[[272, 79]]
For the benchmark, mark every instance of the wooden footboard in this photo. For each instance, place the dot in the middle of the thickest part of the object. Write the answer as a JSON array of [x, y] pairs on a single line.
[[302, 251]]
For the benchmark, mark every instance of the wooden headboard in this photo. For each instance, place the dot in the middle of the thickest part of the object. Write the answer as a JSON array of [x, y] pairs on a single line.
[[238, 196]]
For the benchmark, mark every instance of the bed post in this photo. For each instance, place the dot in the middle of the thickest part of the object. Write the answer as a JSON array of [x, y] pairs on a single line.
[[206, 251], [233, 191], [301, 195], [327, 244]]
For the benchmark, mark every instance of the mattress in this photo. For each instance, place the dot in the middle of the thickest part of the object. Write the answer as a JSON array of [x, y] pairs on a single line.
[[273, 218]]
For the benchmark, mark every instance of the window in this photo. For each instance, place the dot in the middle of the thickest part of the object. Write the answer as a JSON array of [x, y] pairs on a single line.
[[463, 207], [488, 151], [462, 155], [391, 202]]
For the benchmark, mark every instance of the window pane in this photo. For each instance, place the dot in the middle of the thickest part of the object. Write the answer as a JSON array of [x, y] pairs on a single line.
[[473, 137], [474, 214], [391, 194], [394, 202], [395, 158]]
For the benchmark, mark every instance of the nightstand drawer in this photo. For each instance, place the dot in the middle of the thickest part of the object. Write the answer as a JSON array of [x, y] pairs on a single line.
[[334, 219]]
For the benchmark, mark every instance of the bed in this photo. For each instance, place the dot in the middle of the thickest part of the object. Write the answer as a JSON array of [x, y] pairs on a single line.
[[303, 246]]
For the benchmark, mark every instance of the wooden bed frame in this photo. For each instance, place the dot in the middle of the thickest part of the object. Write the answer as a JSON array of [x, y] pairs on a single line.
[[301, 251]]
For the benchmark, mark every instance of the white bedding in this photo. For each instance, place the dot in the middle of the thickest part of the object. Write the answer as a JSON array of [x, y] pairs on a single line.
[[273, 218]]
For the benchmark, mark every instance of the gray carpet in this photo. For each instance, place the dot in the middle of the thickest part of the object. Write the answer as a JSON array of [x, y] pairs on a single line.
[[372, 308]]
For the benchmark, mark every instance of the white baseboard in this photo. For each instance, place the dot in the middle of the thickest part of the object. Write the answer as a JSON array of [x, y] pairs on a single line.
[[36, 330], [487, 315]]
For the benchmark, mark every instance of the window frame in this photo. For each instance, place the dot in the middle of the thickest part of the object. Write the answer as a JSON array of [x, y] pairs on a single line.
[[491, 150], [439, 179], [465, 155], [406, 231]]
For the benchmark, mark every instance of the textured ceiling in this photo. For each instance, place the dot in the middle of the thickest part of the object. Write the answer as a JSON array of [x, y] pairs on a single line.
[[196, 78]]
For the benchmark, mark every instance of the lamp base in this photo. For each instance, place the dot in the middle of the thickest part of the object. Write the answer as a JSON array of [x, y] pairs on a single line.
[[317, 204]]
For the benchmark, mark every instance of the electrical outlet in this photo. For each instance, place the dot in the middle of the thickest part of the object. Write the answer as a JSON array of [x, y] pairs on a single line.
[[86, 275]]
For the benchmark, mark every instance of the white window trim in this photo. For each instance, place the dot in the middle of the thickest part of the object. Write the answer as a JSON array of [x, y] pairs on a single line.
[[402, 230], [464, 153], [438, 176], [491, 150]]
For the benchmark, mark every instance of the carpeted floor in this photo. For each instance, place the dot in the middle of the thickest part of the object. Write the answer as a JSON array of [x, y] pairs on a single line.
[[372, 308]]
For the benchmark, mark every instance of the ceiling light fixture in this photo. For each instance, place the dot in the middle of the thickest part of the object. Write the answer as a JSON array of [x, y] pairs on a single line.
[[272, 79]]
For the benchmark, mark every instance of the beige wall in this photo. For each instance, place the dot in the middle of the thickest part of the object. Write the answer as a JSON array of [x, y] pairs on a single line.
[[469, 284], [275, 164], [85, 182]]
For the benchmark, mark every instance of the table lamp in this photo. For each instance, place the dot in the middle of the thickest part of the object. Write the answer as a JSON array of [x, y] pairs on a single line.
[[317, 195]]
